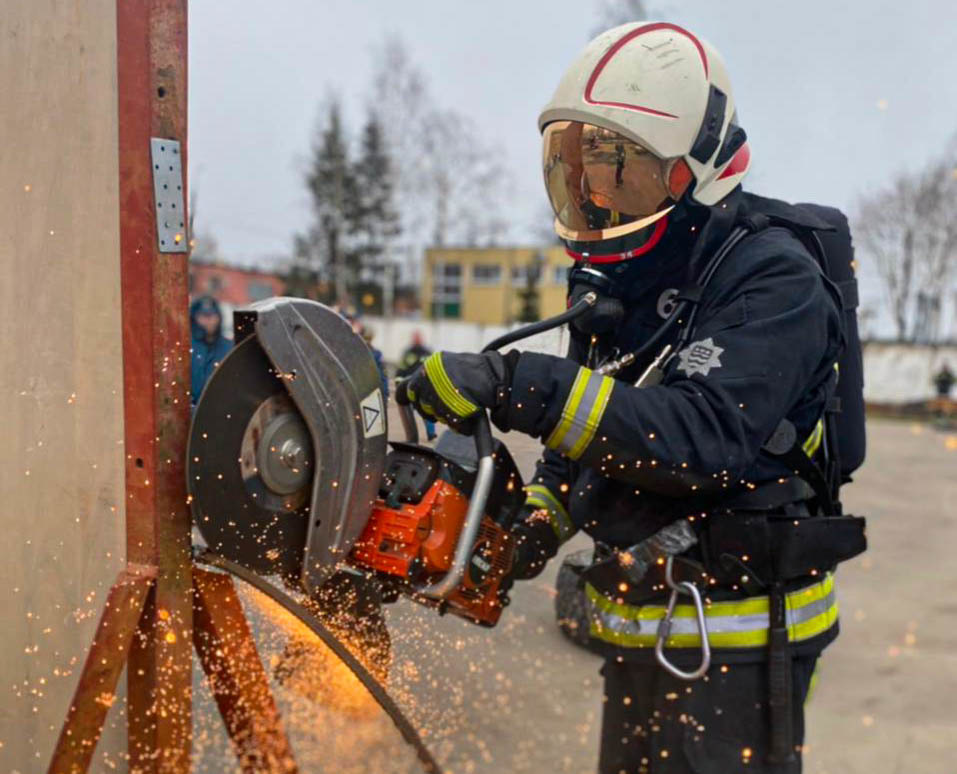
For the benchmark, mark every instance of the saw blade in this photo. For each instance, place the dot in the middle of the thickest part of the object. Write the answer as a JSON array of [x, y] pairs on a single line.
[[251, 465]]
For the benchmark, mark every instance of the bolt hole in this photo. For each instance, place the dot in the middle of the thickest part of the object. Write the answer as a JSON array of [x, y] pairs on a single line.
[[139, 462], [161, 92]]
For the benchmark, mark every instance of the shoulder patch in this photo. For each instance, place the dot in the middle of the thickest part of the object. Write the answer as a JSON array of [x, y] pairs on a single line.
[[700, 357]]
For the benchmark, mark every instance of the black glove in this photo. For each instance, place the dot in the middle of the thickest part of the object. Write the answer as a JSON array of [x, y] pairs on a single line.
[[453, 387], [535, 543]]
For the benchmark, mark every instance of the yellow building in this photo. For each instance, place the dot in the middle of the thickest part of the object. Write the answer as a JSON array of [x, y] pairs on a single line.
[[484, 284]]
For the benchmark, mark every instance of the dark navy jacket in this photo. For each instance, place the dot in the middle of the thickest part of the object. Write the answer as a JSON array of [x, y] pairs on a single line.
[[206, 354], [767, 335]]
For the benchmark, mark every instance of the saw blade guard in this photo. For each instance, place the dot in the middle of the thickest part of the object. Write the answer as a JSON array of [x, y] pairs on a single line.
[[329, 374]]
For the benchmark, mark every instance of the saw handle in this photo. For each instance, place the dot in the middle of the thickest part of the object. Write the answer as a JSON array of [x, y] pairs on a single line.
[[484, 445], [473, 516]]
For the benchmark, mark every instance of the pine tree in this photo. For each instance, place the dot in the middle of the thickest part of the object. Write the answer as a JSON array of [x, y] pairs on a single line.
[[376, 220], [332, 186]]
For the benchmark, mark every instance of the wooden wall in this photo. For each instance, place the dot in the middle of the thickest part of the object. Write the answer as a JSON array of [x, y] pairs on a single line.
[[61, 387]]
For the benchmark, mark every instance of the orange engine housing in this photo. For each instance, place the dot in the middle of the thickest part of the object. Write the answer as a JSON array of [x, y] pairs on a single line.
[[417, 541]]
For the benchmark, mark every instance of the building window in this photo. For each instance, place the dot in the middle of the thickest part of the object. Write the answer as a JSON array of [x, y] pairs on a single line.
[[257, 291], [446, 290], [215, 283], [521, 274], [560, 276], [486, 274]]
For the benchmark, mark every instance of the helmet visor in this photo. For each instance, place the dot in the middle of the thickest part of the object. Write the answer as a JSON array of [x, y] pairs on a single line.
[[601, 184]]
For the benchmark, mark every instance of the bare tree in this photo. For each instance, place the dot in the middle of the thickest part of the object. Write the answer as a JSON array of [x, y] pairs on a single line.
[[203, 247], [909, 230], [452, 187]]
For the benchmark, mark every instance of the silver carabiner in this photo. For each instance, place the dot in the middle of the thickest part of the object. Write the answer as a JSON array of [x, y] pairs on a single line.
[[664, 627]]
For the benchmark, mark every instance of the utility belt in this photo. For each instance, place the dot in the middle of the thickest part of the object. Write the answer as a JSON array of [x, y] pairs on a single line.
[[764, 536]]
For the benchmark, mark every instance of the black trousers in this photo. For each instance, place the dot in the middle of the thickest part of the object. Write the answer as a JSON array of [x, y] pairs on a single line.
[[653, 723]]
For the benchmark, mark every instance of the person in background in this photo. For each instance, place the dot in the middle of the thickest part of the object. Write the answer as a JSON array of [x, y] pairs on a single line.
[[411, 359], [209, 346], [367, 335], [944, 381]]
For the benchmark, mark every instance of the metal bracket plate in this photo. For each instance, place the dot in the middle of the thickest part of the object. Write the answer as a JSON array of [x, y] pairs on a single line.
[[168, 195]]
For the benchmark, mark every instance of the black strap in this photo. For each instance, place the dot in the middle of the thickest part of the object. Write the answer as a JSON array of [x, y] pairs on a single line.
[[786, 446], [850, 298], [770, 496], [780, 700]]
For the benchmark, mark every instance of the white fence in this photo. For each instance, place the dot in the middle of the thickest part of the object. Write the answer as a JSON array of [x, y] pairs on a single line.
[[393, 336], [904, 373], [893, 372]]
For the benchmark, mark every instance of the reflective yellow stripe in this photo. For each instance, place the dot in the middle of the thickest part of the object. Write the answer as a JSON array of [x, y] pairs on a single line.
[[450, 396], [568, 411], [541, 497], [581, 414], [594, 417], [813, 442], [811, 611]]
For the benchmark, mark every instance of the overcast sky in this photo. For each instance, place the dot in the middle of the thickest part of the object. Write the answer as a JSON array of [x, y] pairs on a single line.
[[835, 96]]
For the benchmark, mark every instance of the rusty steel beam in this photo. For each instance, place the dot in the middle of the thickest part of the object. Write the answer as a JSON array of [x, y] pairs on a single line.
[[96, 689], [236, 677], [151, 84]]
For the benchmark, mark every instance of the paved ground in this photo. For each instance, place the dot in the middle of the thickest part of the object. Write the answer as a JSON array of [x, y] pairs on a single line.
[[521, 698]]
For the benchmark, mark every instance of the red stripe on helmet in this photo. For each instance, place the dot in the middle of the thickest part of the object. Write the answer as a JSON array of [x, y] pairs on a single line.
[[617, 47], [739, 163], [653, 240]]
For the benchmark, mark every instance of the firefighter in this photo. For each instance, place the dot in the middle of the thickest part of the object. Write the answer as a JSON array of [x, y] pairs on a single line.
[[643, 161]]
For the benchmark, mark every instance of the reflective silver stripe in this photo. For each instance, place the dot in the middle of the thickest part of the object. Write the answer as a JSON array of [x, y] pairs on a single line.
[[582, 413], [809, 613]]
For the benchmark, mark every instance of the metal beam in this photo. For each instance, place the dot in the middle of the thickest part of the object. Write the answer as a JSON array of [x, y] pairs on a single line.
[[151, 84], [236, 676], [96, 690]]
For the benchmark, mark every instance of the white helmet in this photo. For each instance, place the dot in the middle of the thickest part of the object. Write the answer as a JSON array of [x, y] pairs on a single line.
[[642, 114]]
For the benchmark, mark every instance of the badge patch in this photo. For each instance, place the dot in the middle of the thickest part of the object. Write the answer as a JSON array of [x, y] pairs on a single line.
[[700, 357]]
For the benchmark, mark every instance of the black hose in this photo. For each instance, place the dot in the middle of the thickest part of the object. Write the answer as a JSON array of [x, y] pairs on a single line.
[[587, 302], [687, 306], [378, 692]]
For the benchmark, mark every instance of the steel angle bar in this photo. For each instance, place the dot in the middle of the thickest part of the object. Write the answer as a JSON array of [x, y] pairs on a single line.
[[96, 689], [375, 688], [237, 678]]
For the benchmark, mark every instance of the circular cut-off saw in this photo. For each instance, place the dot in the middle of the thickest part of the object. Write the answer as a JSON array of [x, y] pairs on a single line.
[[290, 473]]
